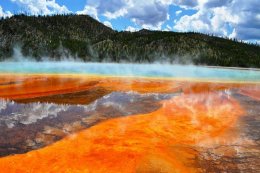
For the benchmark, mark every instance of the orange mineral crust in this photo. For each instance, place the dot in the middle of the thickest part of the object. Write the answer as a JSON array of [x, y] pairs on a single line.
[[15, 86], [160, 141]]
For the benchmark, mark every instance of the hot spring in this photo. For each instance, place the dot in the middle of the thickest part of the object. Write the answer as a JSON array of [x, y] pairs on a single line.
[[131, 70], [93, 117]]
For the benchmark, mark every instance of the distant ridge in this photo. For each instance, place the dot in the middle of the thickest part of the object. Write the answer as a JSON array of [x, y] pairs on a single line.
[[84, 38]]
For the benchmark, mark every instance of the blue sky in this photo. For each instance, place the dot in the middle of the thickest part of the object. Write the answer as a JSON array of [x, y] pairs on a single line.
[[229, 18]]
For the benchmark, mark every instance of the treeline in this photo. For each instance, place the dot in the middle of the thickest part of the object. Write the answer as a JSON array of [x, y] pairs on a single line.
[[80, 36]]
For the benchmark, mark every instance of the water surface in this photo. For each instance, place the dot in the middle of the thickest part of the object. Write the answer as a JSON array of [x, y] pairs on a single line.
[[135, 70], [76, 117]]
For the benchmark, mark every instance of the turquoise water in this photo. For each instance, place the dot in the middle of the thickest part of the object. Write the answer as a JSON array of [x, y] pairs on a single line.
[[139, 70]]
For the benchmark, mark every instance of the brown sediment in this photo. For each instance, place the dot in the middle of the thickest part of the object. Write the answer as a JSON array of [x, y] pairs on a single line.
[[41, 86], [140, 143], [253, 92], [30, 87], [37, 86], [76, 97]]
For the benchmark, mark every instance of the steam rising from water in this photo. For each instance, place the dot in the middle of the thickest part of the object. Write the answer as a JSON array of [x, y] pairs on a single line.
[[137, 70]]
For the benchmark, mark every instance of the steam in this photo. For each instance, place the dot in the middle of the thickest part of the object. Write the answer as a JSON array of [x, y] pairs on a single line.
[[18, 56], [64, 54], [163, 68], [129, 70]]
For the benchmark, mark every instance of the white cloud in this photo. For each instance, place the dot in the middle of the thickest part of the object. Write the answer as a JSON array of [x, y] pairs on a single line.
[[248, 27], [232, 18], [178, 12], [233, 34], [150, 14], [152, 27], [216, 20], [5, 14], [131, 29], [147, 14], [89, 11], [167, 28], [116, 14], [192, 23], [182, 3], [253, 41], [42, 7], [108, 24]]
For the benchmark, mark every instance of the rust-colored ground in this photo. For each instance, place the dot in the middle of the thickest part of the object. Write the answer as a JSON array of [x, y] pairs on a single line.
[[17, 87], [161, 141]]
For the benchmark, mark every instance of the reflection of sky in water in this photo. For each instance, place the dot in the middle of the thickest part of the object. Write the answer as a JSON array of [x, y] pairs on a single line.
[[12, 113], [145, 70]]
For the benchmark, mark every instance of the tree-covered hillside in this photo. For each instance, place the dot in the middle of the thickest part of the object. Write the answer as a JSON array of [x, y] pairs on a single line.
[[80, 36]]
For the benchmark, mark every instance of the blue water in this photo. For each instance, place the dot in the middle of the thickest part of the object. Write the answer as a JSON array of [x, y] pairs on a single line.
[[139, 70]]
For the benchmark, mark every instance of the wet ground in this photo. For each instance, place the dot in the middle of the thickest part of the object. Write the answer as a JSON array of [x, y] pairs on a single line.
[[59, 123]]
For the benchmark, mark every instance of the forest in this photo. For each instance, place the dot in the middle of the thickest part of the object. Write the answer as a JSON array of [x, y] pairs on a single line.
[[84, 38]]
